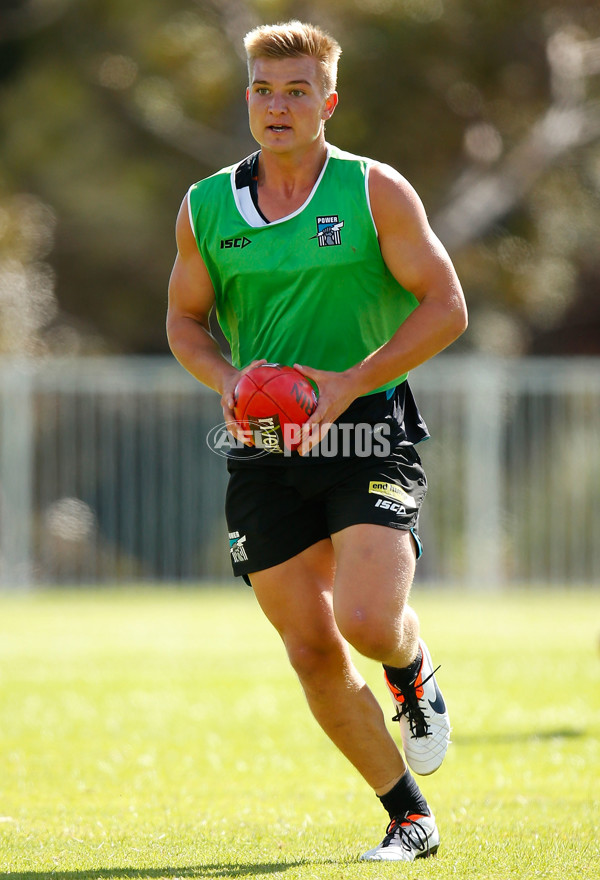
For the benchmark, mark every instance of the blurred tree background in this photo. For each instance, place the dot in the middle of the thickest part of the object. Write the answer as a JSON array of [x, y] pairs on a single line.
[[110, 109]]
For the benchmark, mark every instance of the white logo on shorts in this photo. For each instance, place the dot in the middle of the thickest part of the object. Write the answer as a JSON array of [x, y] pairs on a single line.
[[236, 547]]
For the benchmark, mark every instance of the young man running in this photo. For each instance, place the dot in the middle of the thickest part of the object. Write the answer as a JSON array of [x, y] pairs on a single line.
[[315, 257]]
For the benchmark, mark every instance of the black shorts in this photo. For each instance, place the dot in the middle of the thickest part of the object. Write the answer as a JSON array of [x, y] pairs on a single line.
[[275, 512]]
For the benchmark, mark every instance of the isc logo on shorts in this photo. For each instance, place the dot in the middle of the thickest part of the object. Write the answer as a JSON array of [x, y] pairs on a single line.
[[392, 493]]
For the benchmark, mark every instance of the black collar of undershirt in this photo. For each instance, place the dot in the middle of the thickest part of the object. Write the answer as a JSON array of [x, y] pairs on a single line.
[[246, 174]]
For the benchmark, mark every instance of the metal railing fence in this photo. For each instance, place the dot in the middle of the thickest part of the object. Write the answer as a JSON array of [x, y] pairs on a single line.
[[106, 475]]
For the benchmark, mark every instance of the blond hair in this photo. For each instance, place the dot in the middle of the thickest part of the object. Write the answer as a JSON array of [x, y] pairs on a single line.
[[291, 39]]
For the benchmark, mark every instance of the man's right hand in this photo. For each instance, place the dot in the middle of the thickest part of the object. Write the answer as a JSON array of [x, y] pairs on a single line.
[[235, 427]]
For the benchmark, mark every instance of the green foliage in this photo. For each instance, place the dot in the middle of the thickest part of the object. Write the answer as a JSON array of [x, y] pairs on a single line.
[[110, 110], [162, 734]]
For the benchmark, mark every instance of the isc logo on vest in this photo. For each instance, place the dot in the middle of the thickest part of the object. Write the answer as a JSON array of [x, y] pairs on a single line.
[[235, 242]]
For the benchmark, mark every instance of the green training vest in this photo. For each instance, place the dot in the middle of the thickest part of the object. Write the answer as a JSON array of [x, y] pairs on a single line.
[[312, 288]]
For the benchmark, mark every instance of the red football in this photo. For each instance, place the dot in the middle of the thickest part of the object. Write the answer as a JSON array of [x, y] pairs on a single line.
[[274, 400]]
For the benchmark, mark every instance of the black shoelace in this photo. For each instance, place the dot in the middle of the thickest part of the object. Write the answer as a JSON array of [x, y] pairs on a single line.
[[409, 834], [412, 709]]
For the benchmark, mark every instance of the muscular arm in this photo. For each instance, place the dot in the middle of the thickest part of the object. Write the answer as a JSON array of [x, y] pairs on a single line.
[[418, 261], [191, 298]]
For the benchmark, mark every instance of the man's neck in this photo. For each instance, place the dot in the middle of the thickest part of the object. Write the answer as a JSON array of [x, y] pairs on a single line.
[[285, 181], [284, 176]]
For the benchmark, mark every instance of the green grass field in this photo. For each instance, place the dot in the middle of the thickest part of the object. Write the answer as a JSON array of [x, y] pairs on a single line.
[[161, 734]]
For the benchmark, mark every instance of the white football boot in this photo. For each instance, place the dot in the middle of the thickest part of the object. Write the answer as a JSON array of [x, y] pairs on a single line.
[[424, 721], [407, 838]]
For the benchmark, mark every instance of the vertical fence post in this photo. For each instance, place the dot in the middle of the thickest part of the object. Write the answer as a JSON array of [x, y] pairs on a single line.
[[484, 404], [16, 478]]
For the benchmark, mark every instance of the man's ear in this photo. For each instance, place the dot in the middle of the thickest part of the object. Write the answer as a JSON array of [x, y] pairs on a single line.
[[330, 104]]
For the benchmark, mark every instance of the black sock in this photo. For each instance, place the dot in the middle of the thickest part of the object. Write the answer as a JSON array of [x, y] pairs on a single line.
[[400, 676], [404, 797]]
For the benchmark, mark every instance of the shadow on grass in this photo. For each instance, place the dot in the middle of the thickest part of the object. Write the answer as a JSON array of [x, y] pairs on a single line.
[[516, 737], [149, 873]]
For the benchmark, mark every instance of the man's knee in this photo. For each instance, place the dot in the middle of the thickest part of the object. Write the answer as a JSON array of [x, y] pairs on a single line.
[[312, 659], [371, 633], [373, 579]]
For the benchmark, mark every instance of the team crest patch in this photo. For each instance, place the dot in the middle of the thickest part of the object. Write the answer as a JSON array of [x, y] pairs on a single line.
[[328, 231], [236, 547]]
